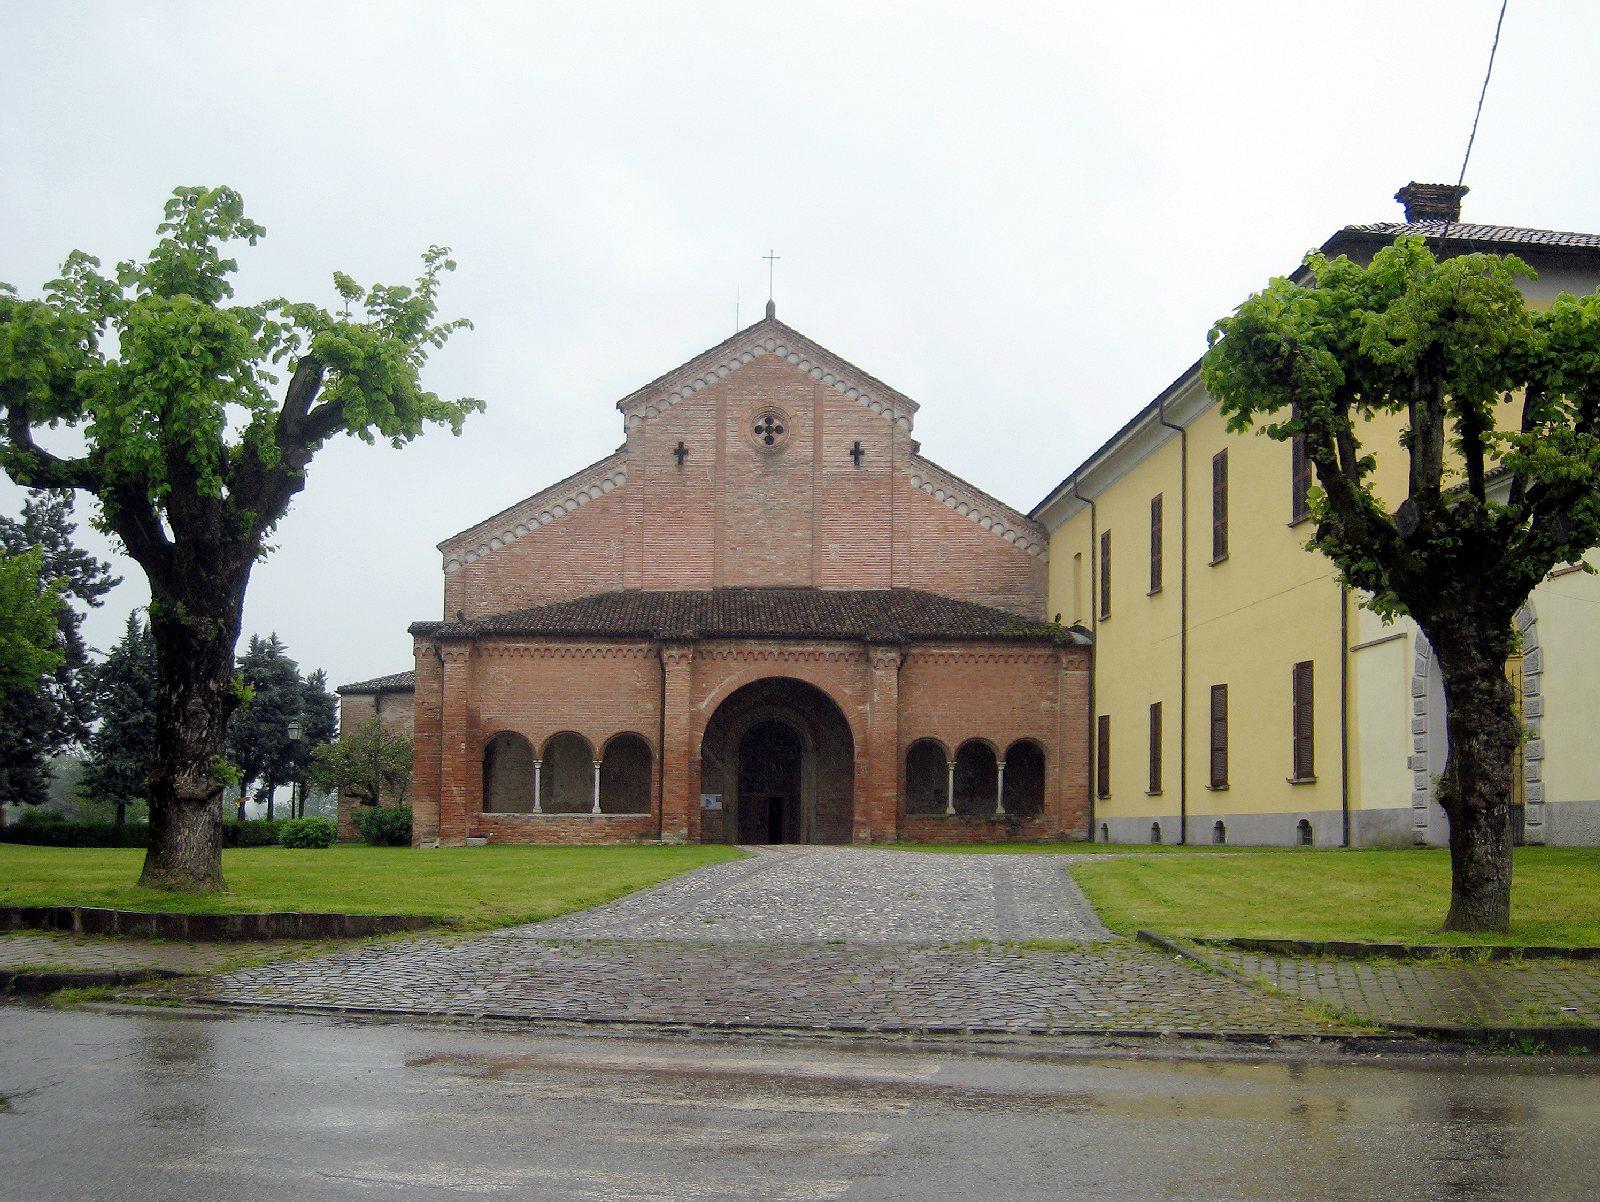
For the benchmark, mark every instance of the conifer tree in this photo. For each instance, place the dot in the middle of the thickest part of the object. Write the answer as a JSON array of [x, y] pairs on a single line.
[[121, 751], [260, 741], [49, 716]]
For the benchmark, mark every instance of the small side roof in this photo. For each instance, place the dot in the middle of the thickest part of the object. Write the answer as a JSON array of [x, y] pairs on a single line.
[[395, 682]]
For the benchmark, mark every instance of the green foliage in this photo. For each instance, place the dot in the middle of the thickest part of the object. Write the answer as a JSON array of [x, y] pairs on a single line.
[[307, 832], [368, 764], [194, 442], [259, 741], [44, 720], [45, 828], [28, 623], [253, 832], [122, 748], [384, 826], [1447, 343]]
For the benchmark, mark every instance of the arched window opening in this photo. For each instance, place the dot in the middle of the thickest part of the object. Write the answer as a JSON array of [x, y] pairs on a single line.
[[1024, 795], [1155, 832], [927, 777], [508, 775], [625, 776], [1219, 833], [976, 780], [566, 775], [1303, 834]]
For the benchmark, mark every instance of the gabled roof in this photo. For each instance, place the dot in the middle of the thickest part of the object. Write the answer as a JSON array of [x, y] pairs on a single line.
[[769, 336], [397, 682], [1458, 236], [866, 615]]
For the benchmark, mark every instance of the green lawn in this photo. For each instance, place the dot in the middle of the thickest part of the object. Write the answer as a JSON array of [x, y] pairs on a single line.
[[1372, 895], [469, 886]]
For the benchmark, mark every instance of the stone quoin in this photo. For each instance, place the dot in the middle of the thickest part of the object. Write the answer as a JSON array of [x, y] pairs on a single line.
[[765, 618]]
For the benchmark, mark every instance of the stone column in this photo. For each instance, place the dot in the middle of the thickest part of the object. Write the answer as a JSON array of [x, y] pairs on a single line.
[[455, 787], [677, 667], [950, 790], [595, 808], [999, 788], [878, 797], [537, 807]]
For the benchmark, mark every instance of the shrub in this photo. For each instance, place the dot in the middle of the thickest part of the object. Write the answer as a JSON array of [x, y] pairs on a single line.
[[307, 832], [384, 826], [46, 828], [253, 832]]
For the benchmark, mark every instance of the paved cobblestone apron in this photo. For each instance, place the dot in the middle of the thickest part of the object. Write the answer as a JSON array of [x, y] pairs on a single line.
[[840, 939], [1443, 992]]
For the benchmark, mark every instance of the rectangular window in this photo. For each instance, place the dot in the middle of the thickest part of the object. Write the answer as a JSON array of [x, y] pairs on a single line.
[[1219, 506], [1105, 574], [1102, 757], [1155, 543], [1299, 480], [1305, 762], [1219, 736], [1155, 747]]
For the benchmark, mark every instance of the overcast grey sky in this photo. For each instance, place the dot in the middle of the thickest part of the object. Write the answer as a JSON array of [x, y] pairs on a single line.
[[1024, 216]]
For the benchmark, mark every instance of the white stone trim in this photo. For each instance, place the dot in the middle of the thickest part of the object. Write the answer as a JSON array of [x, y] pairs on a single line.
[[992, 515], [541, 509], [1422, 785], [656, 399]]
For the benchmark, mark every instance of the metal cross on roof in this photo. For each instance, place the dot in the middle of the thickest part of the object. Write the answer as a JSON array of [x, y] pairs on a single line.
[[771, 259]]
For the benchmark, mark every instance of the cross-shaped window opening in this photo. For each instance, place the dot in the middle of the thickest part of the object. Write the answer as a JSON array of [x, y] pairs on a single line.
[[769, 429]]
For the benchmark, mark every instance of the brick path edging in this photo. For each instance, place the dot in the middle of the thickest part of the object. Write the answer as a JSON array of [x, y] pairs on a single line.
[[1586, 1038], [1352, 949], [90, 920]]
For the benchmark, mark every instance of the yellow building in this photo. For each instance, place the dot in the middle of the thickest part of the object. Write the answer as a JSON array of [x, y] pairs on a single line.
[[1239, 694]]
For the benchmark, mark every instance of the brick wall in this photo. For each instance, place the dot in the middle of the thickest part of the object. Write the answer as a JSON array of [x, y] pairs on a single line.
[[739, 513], [540, 688], [356, 708]]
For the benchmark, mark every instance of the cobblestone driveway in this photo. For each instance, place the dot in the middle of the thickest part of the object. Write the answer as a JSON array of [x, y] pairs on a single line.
[[813, 938], [818, 894]]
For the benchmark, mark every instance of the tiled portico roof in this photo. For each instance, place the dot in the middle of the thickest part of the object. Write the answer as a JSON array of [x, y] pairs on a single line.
[[871, 615], [397, 682], [1455, 232]]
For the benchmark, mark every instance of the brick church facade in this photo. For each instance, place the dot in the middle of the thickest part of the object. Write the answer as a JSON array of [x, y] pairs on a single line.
[[765, 618]]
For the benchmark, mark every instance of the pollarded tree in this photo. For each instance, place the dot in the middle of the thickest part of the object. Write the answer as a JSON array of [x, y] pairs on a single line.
[[1491, 506], [193, 455]]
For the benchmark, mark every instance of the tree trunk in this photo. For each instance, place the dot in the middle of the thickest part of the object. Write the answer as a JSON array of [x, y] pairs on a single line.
[[1475, 790], [270, 790], [122, 813], [195, 627], [241, 805]]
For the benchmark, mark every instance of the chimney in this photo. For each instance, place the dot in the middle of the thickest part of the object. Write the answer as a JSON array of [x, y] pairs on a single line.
[[1432, 202]]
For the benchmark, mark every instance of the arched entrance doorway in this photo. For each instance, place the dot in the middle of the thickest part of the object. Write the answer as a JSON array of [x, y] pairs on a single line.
[[777, 765]]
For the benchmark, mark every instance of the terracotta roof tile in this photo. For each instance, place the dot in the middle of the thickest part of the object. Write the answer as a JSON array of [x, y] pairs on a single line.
[[396, 682], [873, 615]]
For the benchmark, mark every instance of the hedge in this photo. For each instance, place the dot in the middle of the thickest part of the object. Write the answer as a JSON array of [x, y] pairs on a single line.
[[46, 830]]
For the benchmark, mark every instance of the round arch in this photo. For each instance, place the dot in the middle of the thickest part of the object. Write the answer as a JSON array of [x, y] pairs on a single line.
[[927, 777], [977, 785], [507, 774], [627, 767], [777, 764], [1025, 779], [566, 774]]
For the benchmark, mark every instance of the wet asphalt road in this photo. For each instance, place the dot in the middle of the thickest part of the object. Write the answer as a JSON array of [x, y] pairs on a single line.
[[161, 1105]]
